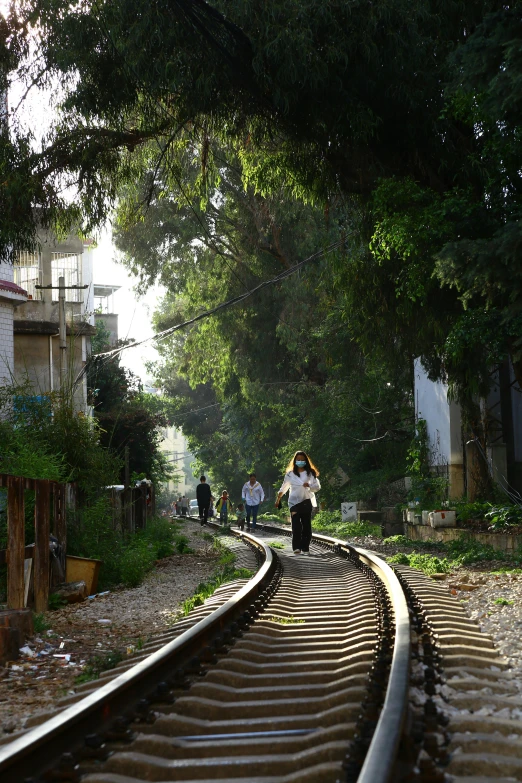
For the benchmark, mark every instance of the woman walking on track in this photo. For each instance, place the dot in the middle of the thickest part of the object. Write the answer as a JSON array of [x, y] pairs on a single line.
[[301, 479]]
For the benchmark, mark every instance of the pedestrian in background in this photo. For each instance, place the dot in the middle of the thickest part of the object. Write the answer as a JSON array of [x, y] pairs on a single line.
[[301, 479], [223, 507], [184, 506], [252, 494], [203, 495]]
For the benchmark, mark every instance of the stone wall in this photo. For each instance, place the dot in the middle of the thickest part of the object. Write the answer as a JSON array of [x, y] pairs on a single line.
[[505, 542]]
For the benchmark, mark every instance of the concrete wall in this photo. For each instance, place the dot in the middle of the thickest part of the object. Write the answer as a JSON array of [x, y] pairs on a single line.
[[443, 422], [505, 542], [36, 346], [110, 321], [6, 342]]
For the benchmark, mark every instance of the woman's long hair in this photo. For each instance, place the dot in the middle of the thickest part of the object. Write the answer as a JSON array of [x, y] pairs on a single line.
[[309, 467]]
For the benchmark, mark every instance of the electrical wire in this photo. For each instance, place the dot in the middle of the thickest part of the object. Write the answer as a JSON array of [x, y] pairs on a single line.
[[107, 355]]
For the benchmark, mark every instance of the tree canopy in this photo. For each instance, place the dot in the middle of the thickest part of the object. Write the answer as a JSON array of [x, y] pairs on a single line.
[[238, 136]]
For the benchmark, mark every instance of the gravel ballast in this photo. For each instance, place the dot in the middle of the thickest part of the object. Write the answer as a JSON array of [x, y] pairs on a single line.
[[119, 621]]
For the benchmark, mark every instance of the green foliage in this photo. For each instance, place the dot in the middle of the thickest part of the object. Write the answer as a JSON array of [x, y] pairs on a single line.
[[428, 490], [56, 601], [330, 523], [205, 589], [466, 550], [276, 545], [40, 623], [429, 564], [503, 602], [467, 510], [389, 128], [505, 517], [127, 417], [290, 620], [400, 540], [98, 664]]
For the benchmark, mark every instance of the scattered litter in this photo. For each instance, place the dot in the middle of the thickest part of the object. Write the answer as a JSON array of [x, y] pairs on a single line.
[[105, 622], [67, 656], [26, 650], [62, 645]]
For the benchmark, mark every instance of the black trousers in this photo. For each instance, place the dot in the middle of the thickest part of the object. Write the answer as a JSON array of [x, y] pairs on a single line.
[[203, 514], [301, 516]]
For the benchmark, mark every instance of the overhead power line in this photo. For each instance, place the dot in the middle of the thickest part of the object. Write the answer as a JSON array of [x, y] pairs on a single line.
[[107, 355]]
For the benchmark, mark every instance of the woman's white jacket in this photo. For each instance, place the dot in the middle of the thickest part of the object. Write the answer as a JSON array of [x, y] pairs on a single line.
[[298, 493]]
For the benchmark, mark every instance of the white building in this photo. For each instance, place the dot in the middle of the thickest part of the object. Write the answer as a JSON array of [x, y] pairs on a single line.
[[11, 296], [36, 320], [460, 455]]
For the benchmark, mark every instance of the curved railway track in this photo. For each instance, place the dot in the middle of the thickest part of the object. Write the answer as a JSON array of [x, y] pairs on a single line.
[[300, 674]]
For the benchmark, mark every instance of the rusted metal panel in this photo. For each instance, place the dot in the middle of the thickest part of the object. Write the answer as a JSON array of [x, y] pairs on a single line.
[[41, 550], [15, 542]]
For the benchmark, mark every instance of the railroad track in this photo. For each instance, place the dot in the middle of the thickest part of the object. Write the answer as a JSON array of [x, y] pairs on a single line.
[[301, 674]]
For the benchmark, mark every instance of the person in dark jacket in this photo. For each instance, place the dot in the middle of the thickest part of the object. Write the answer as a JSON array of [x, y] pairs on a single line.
[[203, 495]]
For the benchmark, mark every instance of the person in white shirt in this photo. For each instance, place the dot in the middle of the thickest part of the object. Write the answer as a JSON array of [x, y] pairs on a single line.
[[252, 494], [301, 479]]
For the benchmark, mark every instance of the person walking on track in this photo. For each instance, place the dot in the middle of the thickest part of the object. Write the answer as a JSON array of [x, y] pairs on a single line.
[[203, 495], [223, 507], [301, 479], [252, 494]]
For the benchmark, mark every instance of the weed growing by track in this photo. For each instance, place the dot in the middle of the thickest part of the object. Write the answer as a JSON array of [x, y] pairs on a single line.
[[462, 551], [287, 620], [330, 523], [430, 564], [503, 602], [99, 664], [276, 545], [205, 589]]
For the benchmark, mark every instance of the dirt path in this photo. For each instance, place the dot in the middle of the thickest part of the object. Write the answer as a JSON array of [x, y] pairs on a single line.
[[106, 626]]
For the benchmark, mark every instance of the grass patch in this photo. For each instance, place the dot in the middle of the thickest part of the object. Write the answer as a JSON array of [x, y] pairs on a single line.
[[507, 570], [276, 545], [205, 589], [40, 624], [429, 564], [56, 601], [271, 518], [287, 620], [99, 664], [412, 544], [331, 523], [466, 550], [503, 602]]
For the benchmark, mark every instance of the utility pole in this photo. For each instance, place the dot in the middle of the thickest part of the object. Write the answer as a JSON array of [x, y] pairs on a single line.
[[62, 324], [62, 331]]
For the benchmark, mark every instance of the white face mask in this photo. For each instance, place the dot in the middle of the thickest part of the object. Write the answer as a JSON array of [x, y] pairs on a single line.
[[300, 463]]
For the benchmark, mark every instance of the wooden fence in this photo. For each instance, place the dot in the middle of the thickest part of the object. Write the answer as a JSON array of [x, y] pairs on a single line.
[[48, 495]]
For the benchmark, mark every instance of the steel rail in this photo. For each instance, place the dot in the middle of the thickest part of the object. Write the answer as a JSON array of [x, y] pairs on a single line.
[[378, 766], [41, 748]]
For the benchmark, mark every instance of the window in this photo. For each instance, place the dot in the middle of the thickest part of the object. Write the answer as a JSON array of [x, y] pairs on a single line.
[[68, 266], [28, 273]]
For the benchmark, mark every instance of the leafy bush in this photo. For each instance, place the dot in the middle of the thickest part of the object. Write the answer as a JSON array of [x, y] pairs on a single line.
[[400, 540], [467, 510], [135, 562], [507, 516], [429, 564], [40, 624], [466, 550], [205, 589], [330, 523]]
